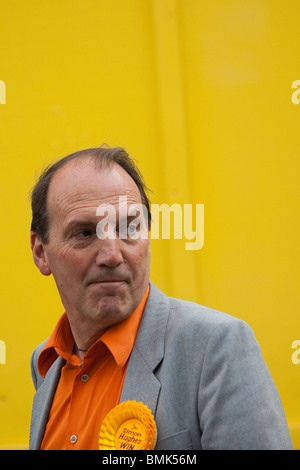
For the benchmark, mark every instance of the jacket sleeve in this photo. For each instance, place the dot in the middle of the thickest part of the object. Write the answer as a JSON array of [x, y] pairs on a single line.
[[239, 406]]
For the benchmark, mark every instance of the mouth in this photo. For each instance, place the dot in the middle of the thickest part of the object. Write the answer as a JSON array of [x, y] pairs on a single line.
[[107, 282]]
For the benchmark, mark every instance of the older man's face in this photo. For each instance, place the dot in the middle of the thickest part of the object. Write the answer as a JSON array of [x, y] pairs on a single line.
[[100, 281]]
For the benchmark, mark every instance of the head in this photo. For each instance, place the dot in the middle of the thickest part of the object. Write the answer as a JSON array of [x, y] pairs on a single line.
[[100, 280], [102, 158]]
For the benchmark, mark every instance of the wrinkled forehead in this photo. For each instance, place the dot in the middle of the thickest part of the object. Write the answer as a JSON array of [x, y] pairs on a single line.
[[80, 186]]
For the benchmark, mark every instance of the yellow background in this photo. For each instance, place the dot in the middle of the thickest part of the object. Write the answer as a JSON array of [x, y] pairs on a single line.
[[199, 92]]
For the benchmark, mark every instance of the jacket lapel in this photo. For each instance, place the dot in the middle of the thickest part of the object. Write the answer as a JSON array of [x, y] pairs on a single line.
[[41, 404], [140, 383]]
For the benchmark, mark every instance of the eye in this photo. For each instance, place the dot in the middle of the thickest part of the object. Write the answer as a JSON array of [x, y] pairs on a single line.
[[126, 231], [82, 234], [132, 228]]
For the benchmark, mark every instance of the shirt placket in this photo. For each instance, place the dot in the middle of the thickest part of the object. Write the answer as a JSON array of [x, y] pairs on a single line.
[[74, 436]]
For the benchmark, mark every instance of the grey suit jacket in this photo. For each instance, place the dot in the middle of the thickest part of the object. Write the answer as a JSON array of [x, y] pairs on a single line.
[[201, 373]]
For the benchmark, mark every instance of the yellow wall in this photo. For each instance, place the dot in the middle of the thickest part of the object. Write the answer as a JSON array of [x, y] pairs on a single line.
[[200, 93]]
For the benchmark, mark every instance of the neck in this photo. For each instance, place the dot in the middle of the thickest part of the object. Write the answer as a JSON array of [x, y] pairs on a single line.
[[80, 352], [84, 337], [79, 349]]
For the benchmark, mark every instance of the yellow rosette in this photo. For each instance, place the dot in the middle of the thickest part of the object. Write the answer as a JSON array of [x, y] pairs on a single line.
[[128, 426]]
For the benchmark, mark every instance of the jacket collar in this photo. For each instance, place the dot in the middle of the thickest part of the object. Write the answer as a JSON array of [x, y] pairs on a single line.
[[140, 383]]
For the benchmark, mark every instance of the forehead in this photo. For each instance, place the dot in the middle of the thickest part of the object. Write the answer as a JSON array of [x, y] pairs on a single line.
[[80, 186]]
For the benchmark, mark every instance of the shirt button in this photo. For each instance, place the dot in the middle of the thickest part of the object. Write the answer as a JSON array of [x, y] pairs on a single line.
[[84, 378], [73, 439]]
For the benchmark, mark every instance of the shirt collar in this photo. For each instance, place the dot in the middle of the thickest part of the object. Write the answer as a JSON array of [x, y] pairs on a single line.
[[119, 339]]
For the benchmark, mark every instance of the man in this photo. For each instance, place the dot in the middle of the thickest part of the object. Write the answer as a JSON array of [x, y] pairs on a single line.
[[198, 370]]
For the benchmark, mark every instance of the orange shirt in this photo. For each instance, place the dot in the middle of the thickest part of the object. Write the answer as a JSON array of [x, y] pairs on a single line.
[[87, 390]]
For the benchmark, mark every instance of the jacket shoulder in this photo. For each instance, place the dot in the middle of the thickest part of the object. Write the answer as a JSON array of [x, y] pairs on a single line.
[[193, 316]]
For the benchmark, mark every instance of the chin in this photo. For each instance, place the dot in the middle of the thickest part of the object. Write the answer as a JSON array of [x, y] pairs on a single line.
[[110, 312]]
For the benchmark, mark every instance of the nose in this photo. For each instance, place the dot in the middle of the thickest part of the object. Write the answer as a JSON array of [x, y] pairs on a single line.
[[109, 253]]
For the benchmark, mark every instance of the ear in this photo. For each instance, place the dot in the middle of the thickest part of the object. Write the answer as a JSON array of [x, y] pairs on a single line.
[[39, 255]]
